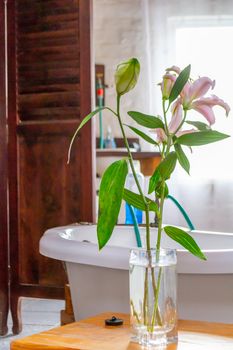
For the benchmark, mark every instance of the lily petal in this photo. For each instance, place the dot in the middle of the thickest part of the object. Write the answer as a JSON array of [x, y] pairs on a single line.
[[183, 132], [174, 69], [160, 135], [199, 88], [206, 111], [185, 94], [176, 120], [212, 101]]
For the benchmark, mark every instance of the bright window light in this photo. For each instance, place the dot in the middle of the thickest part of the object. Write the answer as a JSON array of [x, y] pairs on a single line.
[[210, 52]]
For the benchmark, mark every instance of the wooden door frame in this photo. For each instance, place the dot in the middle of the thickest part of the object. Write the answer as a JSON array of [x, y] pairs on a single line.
[[17, 289], [4, 292]]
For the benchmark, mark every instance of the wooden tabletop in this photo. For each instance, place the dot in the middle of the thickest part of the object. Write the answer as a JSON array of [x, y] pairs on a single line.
[[92, 334]]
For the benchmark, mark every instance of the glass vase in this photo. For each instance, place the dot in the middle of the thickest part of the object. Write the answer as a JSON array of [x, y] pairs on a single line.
[[153, 296]]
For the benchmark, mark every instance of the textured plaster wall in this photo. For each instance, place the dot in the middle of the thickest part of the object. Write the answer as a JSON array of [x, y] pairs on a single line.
[[119, 33]]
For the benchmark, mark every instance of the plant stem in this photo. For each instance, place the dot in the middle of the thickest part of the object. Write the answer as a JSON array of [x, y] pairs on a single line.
[[135, 175], [135, 314], [159, 320], [145, 298], [155, 310], [165, 152]]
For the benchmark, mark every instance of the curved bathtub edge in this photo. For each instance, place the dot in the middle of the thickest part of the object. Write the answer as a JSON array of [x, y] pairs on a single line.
[[79, 253]]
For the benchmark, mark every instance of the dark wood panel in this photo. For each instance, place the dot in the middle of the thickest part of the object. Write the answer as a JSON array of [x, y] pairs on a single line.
[[48, 67], [50, 195], [88, 157], [4, 302], [44, 191]]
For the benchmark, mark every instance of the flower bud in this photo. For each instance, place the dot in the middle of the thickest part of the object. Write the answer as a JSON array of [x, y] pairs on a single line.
[[126, 76], [167, 84]]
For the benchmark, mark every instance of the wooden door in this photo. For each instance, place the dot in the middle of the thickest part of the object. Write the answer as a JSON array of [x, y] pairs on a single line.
[[49, 91], [3, 181]]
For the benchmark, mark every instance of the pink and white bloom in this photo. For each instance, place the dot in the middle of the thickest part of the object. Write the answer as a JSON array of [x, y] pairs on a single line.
[[195, 90], [192, 98], [177, 117], [205, 104], [167, 84]]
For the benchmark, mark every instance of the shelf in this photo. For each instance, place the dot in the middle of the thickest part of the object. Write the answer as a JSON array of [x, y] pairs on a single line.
[[148, 160], [136, 155]]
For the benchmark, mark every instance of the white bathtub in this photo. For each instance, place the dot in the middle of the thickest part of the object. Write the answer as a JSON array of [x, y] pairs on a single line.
[[99, 280]]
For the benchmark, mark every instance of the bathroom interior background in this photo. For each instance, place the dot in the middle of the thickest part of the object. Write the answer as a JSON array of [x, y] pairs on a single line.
[[161, 33]]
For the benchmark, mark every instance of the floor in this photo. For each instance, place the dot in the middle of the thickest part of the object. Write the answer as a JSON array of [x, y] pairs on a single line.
[[37, 315]]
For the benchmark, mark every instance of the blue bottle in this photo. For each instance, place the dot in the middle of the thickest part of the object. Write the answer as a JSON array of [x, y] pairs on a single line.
[[131, 185]]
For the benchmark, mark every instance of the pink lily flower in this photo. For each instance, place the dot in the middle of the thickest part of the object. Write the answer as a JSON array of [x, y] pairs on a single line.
[[195, 90], [205, 104], [177, 116], [192, 98]]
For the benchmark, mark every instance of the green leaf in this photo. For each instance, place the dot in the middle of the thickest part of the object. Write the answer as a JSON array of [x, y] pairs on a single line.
[[110, 197], [154, 181], [158, 190], [83, 122], [179, 83], [167, 166], [163, 171], [201, 138], [148, 121], [183, 160], [199, 125], [143, 135], [136, 201], [185, 240]]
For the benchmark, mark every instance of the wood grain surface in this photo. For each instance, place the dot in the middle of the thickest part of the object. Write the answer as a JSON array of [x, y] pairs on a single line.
[[92, 334]]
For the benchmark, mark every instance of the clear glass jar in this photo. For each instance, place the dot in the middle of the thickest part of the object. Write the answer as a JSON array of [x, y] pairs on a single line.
[[153, 290]]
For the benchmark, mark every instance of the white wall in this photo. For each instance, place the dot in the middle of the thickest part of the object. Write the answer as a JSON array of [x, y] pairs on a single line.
[[119, 34]]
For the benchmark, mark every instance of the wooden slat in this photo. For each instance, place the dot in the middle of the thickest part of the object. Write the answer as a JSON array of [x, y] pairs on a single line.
[[51, 34], [38, 55], [41, 65], [22, 4], [54, 99], [45, 127], [50, 74], [48, 42], [32, 20], [45, 27], [49, 87], [50, 113]]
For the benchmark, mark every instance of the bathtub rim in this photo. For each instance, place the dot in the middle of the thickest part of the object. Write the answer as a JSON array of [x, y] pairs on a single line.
[[219, 261]]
